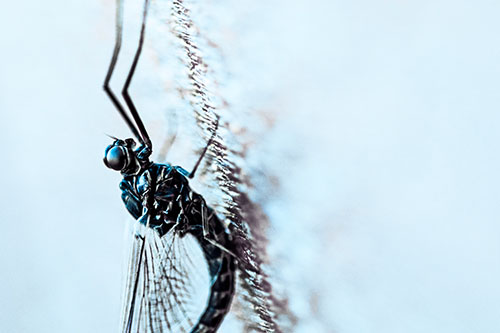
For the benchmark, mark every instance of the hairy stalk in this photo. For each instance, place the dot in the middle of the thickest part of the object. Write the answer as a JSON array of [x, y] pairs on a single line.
[[247, 222]]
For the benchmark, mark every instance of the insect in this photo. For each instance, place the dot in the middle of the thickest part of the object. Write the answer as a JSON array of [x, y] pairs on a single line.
[[167, 211]]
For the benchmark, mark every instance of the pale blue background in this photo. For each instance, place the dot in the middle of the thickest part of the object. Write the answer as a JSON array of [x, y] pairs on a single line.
[[386, 129]]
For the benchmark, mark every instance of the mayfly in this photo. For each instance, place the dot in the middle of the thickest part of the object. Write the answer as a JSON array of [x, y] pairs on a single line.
[[165, 208]]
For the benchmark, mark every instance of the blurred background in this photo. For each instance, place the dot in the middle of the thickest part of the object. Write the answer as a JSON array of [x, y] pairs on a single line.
[[376, 120]]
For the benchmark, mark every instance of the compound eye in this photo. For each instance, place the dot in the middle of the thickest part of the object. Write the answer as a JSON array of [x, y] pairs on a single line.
[[116, 158]]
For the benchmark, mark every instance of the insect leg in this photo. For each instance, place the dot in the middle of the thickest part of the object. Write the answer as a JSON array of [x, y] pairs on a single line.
[[204, 219], [171, 136], [206, 234], [111, 68], [214, 243], [191, 174], [135, 286], [125, 93]]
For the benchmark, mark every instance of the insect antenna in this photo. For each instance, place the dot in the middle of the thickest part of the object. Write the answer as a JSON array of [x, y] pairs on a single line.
[[125, 92], [111, 136], [111, 68]]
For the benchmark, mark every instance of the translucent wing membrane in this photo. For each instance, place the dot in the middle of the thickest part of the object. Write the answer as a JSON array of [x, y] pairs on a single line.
[[167, 284]]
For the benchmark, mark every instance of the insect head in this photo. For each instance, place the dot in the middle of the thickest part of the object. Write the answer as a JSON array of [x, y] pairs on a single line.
[[121, 156]]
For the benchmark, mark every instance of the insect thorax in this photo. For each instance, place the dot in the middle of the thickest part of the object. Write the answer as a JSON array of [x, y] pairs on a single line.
[[173, 201]]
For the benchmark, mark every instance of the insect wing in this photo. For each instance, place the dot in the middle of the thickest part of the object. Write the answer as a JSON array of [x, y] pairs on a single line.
[[167, 284]]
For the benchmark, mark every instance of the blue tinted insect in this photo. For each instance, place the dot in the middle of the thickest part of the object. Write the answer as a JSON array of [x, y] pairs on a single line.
[[173, 225]]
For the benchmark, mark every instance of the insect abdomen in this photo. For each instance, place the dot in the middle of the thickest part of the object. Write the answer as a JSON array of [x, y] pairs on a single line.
[[221, 266], [221, 291]]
